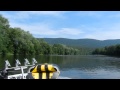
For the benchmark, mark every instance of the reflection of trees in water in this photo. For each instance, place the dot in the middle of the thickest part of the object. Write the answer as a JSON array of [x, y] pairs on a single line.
[[10, 58], [88, 62], [48, 59], [113, 62], [39, 58]]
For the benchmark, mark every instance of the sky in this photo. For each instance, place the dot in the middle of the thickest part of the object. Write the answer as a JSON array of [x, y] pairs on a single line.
[[100, 25]]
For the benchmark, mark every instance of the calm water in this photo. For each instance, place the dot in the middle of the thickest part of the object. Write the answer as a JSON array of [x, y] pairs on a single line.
[[78, 67]]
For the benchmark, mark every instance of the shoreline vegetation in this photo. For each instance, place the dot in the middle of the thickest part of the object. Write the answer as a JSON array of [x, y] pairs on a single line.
[[113, 50], [16, 41]]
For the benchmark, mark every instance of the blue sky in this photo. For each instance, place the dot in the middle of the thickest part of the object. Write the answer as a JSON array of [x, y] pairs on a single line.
[[99, 25]]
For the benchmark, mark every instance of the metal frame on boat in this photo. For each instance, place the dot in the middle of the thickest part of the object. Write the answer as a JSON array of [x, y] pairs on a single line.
[[18, 66]]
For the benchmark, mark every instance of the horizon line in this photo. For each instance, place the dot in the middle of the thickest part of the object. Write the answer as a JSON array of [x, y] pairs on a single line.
[[76, 38]]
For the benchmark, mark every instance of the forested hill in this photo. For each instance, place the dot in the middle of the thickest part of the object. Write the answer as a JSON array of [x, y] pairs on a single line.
[[89, 43], [16, 41]]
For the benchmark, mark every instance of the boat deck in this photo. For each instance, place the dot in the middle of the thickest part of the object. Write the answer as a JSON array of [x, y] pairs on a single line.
[[19, 76]]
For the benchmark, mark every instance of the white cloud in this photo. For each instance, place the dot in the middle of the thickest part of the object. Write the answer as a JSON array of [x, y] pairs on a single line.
[[19, 15], [109, 32], [70, 31], [101, 31], [45, 29], [36, 28]]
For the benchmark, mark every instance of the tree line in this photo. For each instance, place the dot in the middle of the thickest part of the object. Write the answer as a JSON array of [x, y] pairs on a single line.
[[113, 50], [18, 41]]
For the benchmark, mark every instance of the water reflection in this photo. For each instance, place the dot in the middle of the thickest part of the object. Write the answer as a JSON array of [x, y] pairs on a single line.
[[77, 67]]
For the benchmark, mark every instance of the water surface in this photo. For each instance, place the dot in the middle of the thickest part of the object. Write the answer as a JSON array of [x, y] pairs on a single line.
[[77, 66]]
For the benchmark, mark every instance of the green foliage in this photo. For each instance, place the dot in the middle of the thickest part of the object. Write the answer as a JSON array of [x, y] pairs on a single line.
[[113, 50], [18, 41], [61, 49], [4, 22], [4, 26]]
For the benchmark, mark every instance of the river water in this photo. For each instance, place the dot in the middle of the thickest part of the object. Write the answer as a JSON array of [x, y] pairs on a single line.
[[77, 66]]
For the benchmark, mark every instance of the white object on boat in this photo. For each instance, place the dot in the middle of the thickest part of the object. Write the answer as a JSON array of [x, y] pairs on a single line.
[[23, 75]]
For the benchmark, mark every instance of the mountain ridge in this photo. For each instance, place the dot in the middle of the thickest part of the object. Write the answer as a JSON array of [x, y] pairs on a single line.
[[86, 42]]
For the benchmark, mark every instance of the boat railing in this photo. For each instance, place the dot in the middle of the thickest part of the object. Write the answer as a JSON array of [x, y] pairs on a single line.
[[18, 66]]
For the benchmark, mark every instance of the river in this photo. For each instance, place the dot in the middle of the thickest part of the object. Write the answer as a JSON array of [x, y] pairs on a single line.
[[77, 66]]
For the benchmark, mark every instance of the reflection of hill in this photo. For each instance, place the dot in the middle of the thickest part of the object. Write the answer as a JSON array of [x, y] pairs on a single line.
[[89, 62], [86, 62]]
